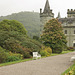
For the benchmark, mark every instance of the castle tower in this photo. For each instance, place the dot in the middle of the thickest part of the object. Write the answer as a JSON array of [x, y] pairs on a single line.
[[71, 13], [45, 15], [58, 15], [47, 7], [68, 24]]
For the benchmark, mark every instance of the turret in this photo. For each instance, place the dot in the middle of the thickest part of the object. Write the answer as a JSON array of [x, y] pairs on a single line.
[[45, 15], [71, 13], [58, 15], [47, 7], [40, 10]]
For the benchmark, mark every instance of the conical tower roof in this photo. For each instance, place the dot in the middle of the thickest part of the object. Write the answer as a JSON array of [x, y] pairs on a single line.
[[47, 7], [58, 15]]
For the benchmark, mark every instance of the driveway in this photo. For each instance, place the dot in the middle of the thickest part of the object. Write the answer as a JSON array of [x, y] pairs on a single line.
[[53, 65]]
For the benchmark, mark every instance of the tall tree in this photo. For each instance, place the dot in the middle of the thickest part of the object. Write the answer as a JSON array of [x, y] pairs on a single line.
[[53, 36], [12, 25]]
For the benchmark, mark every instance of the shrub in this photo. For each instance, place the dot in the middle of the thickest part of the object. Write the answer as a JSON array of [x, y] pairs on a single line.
[[49, 50], [3, 55], [14, 46], [58, 50], [20, 56], [32, 44], [71, 72], [24, 47], [26, 52], [46, 51], [26, 55], [70, 48], [11, 44], [36, 37], [13, 57]]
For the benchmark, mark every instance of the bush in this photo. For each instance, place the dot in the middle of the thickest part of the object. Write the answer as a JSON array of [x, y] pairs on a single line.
[[71, 72], [26, 52], [58, 50], [3, 55], [24, 47], [13, 57], [46, 51], [70, 48], [49, 50], [36, 37], [32, 44], [20, 56], [27, 55], [11, 44]]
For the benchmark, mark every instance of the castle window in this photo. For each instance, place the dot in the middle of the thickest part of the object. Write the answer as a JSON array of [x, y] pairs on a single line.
[[65, 31], [74, 45], [74, 31]]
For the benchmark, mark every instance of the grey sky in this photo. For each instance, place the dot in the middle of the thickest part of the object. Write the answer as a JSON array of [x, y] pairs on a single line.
[[8, 7]]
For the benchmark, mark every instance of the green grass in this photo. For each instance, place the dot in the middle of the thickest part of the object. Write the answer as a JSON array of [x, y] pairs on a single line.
[[70, 68], [64, 52], [14, 62], [54, 54]]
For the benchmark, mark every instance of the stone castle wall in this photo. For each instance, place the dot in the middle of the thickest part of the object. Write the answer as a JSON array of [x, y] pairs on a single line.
[[67, 23], [69, 30]]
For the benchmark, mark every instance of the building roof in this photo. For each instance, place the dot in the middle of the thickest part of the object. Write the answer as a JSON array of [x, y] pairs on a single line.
[[68, 20], [47, 7], [58, 15]]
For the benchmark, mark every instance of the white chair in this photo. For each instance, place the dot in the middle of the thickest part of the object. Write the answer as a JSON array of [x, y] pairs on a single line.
[[36, 55]]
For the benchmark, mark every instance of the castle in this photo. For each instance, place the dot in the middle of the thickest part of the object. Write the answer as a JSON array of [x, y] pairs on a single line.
[[68, 22]]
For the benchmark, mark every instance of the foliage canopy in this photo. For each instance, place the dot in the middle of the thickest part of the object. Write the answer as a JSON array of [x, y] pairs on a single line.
[[53, 36], [12, 25], [30, 20], [13, 38]]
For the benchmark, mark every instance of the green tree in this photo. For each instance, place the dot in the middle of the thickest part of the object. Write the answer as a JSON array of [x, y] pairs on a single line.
[[53, 36], [36, 37], [30, 20], [13, 38], [12, 25]]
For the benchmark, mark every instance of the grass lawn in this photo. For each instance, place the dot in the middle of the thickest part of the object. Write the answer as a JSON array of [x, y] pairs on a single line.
[[64, 52], [14, 62], [69, 69]]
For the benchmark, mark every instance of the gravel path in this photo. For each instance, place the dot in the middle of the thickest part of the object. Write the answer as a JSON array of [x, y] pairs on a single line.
[[53, 65]]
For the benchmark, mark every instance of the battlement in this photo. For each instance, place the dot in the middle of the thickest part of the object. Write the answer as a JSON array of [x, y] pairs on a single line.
[[71, 11]]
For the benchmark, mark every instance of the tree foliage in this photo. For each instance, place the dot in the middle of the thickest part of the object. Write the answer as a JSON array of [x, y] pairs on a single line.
[[30, 20], [12, 25], [3, 55], [53, 36], [13, 38]]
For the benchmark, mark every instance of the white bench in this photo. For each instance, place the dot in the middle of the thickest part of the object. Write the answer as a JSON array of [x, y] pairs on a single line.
[[36, 55]]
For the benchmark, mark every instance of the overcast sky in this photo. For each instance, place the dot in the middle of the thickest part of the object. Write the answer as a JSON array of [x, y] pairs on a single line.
[[8, 7]]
